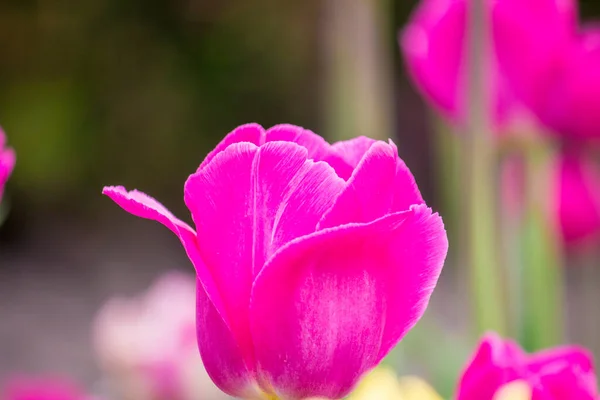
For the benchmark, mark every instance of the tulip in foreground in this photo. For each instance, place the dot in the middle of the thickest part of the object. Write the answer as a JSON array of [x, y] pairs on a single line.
[[501, 369], [7, 162], [313, 260], [147, 345]]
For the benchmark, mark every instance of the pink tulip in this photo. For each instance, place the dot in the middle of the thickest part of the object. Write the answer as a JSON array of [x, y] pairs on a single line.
[[313, 260], [434, 44], [562, 373], [575, 195], [41, 389], [569, 102], [553, 67], [7, 162], [578, 194], [147, 344]]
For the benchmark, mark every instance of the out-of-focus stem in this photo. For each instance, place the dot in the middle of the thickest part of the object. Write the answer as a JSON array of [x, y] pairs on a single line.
[[480, 161], [542, 256], [358, 98], [447, 145]]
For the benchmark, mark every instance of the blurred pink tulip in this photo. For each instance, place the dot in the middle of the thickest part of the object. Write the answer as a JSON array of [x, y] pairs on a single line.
[[578, 205], [575, 194], [7, 162], [555, 71], [41, 389], [147, 344], [313, 260], [525, 40], [561, 373]]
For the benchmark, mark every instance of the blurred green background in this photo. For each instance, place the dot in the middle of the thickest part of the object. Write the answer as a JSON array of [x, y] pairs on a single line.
[[136, 92]]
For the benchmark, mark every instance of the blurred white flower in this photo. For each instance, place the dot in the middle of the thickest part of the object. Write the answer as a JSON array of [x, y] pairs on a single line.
[[147, 344]]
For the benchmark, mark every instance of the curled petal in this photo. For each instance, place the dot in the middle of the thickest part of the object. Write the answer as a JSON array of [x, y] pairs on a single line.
[[343, 297], [246, 203], [144, 206]]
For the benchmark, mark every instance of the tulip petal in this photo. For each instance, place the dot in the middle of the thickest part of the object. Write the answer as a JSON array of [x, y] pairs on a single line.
[[380, 184], [144, 206], [578, 199], [7, 164], [353, 150], [532, 41], [565, 372], [494, 363], [251, 133], [559, 373], [574, 356], [329, 306], [220, 353], [318, 149], [433, 50], [573, 107], [246, 203], [568, 382]]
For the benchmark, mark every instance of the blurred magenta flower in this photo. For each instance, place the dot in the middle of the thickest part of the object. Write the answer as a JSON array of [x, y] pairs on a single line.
[[555, 71], [313, 259], [147, 344], [575, 194], [561, 373], [7, 162], [21, 388], [578, 205], [435, 50]]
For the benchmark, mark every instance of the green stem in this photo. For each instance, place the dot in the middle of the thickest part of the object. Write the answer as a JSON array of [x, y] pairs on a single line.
[[543, 311], [480, 162], [358, 98]]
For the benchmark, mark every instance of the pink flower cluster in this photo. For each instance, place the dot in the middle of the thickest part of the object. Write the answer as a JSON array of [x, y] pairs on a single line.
[[313, 260], [7, 162], [539, 62]]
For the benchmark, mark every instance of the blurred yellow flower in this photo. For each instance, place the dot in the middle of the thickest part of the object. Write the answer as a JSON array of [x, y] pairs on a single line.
[[383, 384], [516, 390]]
